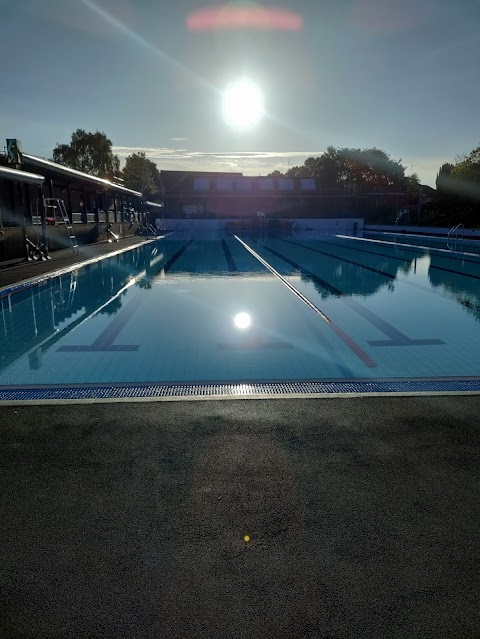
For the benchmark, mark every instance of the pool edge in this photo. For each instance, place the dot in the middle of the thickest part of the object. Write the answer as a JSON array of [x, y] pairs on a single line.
[[207, 391]]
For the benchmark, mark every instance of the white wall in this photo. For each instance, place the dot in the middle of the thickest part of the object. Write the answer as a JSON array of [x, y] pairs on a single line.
[[340, 225]]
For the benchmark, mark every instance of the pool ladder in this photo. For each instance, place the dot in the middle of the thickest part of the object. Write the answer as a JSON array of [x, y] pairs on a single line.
[[453, 236], [57, 203]]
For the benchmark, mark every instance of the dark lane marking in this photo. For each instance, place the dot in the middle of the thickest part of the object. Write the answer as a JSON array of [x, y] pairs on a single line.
[[421, 249], [232, 267], [174, 258], [396, 337], [359, 352], [328, 287], [401, 248], [447, 253], [343, 259], [407, 282], [104, 341], [347, 247]]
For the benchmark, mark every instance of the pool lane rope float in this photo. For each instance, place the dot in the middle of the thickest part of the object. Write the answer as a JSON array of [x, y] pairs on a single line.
[[346, 339]]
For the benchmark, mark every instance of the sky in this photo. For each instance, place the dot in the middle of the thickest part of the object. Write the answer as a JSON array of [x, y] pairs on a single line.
[[399, 75]]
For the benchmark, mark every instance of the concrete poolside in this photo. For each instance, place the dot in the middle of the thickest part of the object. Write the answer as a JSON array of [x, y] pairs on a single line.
[[128, 519]]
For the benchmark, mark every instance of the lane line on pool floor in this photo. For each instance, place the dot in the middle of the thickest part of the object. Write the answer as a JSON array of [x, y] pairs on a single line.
[[359, 352], [403, 259], [342, 259], [370, 268], [396, 337], [407, 282], [105, 341], [232, 267], [414, 248]]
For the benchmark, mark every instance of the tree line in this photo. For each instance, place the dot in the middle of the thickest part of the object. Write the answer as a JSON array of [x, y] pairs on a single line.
[[371, 169], [364, 169], [458, 190], [92, 153]]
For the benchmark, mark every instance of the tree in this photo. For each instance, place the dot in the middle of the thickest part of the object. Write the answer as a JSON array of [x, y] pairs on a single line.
[[141, 174], [464, 178], [276, 174], [443, 177], [88, 152], [468, 168], [367, 168], [458, 190], [412, 185], [296, 171], [363, 168]]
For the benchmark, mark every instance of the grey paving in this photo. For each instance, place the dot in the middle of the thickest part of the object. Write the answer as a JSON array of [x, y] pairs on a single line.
[[128, 520]]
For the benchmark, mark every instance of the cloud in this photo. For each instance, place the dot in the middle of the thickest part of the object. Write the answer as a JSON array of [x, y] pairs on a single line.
[[247, 162], [179, 139], [256, 162]]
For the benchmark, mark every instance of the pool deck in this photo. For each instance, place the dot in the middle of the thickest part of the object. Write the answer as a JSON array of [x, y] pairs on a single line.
[[128, 519], [18, 270]]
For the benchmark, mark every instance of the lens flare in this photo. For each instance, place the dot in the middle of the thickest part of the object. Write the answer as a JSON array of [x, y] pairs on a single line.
[[249, 17]]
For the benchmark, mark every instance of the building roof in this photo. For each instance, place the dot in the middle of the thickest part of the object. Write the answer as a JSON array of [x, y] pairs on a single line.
[[65, 170], [20, 176]]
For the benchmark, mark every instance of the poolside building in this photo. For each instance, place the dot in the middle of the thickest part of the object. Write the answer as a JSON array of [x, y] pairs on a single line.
[[190, 199]]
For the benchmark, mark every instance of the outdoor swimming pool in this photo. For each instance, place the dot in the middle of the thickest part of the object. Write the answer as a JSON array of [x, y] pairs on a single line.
[[219, 308]]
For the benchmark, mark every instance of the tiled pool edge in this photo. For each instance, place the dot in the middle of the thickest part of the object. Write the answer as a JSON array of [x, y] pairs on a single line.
[[236, 391]]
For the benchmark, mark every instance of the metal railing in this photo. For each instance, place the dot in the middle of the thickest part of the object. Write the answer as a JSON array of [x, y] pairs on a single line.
[[453, 236]]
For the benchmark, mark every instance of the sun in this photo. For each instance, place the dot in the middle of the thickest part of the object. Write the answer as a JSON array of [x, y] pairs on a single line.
[[243, 104], [242, 320]]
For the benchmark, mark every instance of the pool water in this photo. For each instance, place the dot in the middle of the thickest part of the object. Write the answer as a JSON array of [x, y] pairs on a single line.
[[219, 307]]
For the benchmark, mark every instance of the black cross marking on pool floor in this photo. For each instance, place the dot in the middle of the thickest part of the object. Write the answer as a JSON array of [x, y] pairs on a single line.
[[105, 341], [396, 337]]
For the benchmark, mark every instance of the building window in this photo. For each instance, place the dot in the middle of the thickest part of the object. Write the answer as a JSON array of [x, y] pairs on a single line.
[[307, 184], [285, 184], [244, 184], [201, 184], [266, 184], [224, 184]]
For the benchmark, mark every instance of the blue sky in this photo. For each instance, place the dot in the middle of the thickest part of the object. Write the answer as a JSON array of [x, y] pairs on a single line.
[[401, 76]]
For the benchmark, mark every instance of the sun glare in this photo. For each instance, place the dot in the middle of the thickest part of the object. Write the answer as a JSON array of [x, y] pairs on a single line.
[[242, 320], [243, 104]]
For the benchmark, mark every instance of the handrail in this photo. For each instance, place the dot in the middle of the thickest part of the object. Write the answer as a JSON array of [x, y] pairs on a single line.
[[454, 229], [450, 236]]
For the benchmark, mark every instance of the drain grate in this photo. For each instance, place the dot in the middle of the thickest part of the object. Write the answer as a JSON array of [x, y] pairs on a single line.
[[237, 390]]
